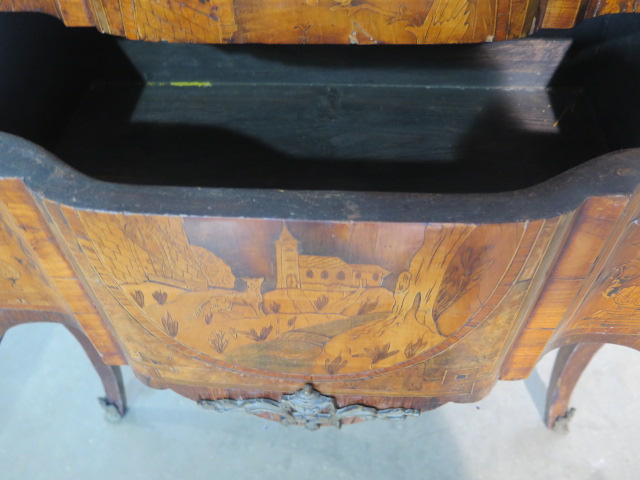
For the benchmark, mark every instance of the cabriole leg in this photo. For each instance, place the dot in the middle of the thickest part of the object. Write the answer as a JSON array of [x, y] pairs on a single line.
[[570, 363], [114, 402]]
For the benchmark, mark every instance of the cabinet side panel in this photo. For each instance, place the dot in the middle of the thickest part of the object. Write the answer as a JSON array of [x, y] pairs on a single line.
[[23, 281], [593, 225], [62, 284], [607, 309]]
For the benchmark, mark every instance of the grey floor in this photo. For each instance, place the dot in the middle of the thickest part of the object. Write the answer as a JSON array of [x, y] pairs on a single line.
[[53, 428]]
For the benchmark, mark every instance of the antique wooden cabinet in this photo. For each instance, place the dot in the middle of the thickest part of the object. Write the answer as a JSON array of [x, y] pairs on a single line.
[[404, 239]]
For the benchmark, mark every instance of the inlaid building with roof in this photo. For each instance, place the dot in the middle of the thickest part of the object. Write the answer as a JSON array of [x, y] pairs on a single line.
[[315, 272]]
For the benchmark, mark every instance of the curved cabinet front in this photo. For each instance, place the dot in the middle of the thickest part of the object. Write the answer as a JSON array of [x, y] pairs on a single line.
[[391, 301]]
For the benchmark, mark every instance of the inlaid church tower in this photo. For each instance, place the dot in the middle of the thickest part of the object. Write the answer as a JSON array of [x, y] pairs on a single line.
[[287, 266]]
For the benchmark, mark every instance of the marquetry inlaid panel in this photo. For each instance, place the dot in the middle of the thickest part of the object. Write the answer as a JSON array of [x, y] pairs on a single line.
[[392, 301], [394, 309], [322, 21]]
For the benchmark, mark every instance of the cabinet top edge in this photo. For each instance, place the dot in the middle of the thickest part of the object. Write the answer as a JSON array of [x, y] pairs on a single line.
[[613, 174]]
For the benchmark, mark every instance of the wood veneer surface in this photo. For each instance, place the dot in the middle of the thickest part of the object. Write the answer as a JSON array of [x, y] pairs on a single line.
[[373, 311], [388, 299], [322, 21]]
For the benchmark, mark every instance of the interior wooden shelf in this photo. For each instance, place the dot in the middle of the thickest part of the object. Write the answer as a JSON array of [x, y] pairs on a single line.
[[475, 118]]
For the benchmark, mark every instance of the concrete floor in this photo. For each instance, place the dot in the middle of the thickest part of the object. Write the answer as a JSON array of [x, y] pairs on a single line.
[[53, 428]]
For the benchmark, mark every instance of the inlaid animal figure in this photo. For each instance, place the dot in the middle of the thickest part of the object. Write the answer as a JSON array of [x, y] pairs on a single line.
[[221, 300], [252, 296]]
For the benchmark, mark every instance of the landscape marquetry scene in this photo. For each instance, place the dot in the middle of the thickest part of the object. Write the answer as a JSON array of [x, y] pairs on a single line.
[[301, 297]]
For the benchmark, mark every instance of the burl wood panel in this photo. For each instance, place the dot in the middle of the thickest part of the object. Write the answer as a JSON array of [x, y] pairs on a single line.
[[322, 21]]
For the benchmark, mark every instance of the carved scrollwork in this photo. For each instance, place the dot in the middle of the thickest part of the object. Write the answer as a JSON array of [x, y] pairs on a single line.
[[307, 407]]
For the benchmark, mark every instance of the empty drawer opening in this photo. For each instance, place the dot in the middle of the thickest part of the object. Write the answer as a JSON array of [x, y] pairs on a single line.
[[462, 118]]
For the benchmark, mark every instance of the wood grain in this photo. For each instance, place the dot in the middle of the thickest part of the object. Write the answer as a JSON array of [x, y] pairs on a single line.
[[322, 21], [35, 273], [393, 310], [570, 363], [434, 311], [384, 313]]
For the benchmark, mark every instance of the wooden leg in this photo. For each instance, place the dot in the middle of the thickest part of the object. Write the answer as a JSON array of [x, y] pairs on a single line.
[[570, 363], [3, 330], [114, 402]]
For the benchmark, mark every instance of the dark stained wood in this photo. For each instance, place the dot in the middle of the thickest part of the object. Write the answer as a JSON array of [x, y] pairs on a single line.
[[330, 137], [431, 114]]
